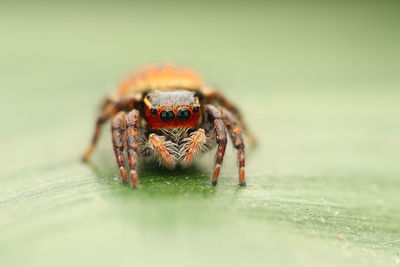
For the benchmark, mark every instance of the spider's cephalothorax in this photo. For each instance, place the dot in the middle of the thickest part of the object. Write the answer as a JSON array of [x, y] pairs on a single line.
[[172, 117], [166, 113]]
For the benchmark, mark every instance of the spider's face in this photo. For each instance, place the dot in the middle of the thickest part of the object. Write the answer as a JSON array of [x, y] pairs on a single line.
[[172, 109]]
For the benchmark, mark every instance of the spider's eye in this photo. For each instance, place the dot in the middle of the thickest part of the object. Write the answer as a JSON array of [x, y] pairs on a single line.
[[183, 114], [196, 109], [167, 115], [153, 111]]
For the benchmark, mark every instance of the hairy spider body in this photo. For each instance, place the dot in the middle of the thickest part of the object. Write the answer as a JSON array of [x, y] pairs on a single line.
[[168, 114]]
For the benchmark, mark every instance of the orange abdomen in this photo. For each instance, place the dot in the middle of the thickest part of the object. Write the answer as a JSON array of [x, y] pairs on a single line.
[[160, 77]]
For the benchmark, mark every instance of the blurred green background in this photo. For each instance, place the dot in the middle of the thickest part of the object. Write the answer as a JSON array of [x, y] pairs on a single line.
[[317, 81]]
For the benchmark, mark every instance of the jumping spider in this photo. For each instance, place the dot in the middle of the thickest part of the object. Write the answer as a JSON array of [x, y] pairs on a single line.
[[169, 114]]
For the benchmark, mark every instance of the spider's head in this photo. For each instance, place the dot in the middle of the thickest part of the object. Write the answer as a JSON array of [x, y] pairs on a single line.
[[172, 109]]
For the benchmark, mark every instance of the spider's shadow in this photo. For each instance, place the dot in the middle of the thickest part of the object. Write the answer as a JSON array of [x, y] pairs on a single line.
[[155, 178]]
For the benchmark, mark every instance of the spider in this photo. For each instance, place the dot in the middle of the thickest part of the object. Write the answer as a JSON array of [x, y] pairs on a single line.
[[167, 113]]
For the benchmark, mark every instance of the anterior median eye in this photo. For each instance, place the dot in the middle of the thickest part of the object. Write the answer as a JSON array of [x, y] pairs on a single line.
[[183, 114], [167, 115]]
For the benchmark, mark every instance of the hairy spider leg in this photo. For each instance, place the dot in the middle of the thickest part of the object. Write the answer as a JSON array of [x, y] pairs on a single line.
[[232, 124], [124, 128], [109, 109], [118, 127], [132, 142], [213, 115], [211, 94]]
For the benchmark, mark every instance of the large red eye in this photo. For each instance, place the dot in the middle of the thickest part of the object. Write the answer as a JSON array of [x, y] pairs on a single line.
[[183, 114], [167, 115]]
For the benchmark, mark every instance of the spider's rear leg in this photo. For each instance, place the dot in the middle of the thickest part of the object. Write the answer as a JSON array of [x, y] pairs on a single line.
[[109, 109], [235, 132], [214, 116], [213, 95], [108, 112]]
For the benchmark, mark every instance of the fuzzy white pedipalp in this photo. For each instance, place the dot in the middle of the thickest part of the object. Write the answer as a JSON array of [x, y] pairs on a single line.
[[182, 147]]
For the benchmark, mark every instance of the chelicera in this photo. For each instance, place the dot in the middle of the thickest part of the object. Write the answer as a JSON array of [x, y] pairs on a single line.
[[168, 114]]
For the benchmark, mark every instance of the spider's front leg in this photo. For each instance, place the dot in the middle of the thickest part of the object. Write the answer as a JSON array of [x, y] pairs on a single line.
[[118, 127], [213, 115], [232, 123], [132, 140], [124, 129]]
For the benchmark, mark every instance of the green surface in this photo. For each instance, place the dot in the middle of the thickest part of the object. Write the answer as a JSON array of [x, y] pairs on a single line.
[[318, 83]]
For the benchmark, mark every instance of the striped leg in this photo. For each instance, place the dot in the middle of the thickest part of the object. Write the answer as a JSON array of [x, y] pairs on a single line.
[[118, 126], [109, 109], [213, 95], [235, 132], [132, 136], [214, 116]]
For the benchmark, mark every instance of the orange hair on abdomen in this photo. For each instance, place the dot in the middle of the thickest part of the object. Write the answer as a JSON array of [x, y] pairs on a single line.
[[160, 77]]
